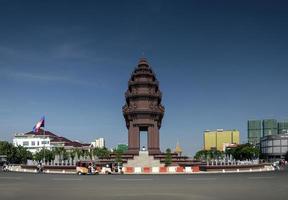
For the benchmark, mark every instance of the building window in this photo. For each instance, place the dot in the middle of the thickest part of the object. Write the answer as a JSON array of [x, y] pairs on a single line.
[[276, 150], [25, 143], [284, 149], [33, 143], [37, 143], [44, 142], [276, 143], [284, 142]]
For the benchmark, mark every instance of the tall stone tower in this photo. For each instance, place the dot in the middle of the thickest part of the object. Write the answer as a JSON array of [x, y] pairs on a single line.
[[143, 110]]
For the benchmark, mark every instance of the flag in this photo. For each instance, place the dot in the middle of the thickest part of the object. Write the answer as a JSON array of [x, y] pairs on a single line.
[[39, 124]]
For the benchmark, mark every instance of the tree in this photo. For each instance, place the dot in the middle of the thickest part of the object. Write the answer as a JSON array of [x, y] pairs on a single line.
[[85, 153], [6, 148], [168, 157], [105, 153], [57, 151], [96, 151], [244, 152], [101, 152], [44, 154], [65, 155], [90, 154], [62, 153], [208, 154], [118, 158], [49, 155], [72, 154], [201, 155], [22, 155], [79, 153], [16, 155], [38, 156]]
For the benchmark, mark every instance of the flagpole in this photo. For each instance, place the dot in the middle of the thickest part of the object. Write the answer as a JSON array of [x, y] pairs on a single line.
[[44, 144]]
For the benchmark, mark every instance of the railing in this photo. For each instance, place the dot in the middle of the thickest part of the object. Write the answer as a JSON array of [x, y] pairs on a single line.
[[231, 162]]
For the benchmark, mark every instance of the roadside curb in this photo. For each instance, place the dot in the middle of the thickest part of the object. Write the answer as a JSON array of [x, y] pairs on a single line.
[[152, 171]]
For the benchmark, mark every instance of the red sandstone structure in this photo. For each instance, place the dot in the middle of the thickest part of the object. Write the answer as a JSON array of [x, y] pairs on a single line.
[[143, 110]]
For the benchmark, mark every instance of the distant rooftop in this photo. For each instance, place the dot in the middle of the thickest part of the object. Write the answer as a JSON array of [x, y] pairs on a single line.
[[54, 138]]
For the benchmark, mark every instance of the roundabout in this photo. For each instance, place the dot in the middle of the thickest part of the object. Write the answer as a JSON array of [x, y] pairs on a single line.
[[264, 185]]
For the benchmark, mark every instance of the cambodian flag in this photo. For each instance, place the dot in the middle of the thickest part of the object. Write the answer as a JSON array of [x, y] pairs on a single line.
[[39, 124]]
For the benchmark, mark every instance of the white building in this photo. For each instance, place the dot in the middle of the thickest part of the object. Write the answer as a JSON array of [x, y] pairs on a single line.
[[32, 143], [35, 142], [99, 143]]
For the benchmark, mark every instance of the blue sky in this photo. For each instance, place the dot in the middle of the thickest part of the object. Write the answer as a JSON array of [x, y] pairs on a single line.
[[218, 63]]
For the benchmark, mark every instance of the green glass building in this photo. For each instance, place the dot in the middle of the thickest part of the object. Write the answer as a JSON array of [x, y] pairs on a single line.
[[261, 128], [270, 127], [254, 131]]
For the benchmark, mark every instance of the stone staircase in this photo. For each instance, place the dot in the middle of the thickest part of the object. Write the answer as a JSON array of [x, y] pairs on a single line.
[[143, 160]]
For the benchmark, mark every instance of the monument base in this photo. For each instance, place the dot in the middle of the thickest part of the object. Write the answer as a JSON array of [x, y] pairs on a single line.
[[132, 151], [144, 159]]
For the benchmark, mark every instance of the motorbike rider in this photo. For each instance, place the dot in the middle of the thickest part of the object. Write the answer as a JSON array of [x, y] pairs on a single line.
[[5, 167], [39, 167]]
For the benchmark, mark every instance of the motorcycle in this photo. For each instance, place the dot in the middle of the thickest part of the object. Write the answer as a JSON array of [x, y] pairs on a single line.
[[5, 168]]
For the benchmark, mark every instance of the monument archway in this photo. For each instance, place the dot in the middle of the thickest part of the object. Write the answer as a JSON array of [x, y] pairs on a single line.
[[143, 110], [143, 139]]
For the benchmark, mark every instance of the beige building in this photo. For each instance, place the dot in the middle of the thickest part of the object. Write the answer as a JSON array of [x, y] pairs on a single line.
[[220, 139]]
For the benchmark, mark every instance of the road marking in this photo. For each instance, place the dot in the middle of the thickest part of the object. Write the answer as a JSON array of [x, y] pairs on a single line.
[[66, 179], [259, 177], [11, 178], [134, 179], [201, 179]]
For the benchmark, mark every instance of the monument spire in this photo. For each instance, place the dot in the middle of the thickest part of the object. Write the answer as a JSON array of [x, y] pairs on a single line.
[[143, 63], [143, 110], [178, 149]]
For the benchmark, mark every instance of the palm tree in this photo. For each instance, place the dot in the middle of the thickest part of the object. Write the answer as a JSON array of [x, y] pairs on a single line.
[[65, 155], [59, 151], [78, 153], [49, 155], [90, 153], [72, 154], [86, 154]]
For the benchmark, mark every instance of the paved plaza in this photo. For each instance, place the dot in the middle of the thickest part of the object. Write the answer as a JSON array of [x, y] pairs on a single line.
[[266, 185]]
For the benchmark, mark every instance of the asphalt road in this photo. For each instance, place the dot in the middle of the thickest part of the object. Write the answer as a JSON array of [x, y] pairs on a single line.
[[270, 185]]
